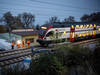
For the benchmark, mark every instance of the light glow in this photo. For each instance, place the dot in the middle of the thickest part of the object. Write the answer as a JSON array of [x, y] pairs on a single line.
[[72, 27], [81, 26], [43, 27], [87, 26], [94, 25], [19, 42], [77, 26], [64, 32], [91, 25]]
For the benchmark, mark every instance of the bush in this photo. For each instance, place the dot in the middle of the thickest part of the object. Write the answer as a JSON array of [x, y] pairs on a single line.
[[47, 65]]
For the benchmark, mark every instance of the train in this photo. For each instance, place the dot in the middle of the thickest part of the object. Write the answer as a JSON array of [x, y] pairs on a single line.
[[67, 32]]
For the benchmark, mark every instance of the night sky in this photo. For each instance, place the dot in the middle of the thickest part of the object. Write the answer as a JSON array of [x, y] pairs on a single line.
[[44, 9]]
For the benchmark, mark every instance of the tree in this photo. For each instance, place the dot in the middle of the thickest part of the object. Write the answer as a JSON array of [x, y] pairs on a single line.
[[69, 19], [27, 19], [93, 17], [17, 23], [37, 27], [85, 18], [9, 20], [52, 20], [47, 65]]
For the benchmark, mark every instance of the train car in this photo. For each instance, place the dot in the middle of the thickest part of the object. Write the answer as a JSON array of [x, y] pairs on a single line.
[[61, 32]]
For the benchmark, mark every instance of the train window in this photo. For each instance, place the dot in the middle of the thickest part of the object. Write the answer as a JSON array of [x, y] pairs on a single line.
[[90, 33], [99, 29], [84, 26], [42, 32], [64, 32], [81, 26], [80, 35], [84, 34], [50, 34], [87, 26], [91, 25], [94, 25], [77, 26], [72, 27], [87, 33], [76, 35]]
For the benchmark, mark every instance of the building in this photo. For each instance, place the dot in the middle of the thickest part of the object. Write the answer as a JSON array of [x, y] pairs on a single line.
[[27, 34]]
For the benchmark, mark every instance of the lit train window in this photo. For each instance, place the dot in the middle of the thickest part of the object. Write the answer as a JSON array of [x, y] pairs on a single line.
[[83, 34], [91, 33], [87, 26], [99, 29], [81, 26], [72, 27], [87, 33], [91, 25], [43, 27], [80, 35], [84, 26], [77, 26], [64, 32], [94, 25]]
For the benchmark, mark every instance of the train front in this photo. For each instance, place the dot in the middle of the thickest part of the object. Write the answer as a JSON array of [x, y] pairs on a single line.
[[42, 34]]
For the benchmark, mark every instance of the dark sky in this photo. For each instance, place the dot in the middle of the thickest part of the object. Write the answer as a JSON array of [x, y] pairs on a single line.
[[44, 9]]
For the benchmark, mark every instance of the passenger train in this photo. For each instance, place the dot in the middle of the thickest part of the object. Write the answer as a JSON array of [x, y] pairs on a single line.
[[73, 31]]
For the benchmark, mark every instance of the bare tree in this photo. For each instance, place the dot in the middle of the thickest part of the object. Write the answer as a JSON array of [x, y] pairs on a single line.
[[69, 19], [27, 19], [52, 20], [85, 18], [8, 19], [17, 23]]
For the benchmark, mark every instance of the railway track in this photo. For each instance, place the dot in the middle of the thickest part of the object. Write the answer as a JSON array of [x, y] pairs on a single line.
[[86, 42], [14, 56]]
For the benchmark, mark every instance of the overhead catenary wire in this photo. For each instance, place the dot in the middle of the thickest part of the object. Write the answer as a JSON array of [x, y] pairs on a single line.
[[70, 6]]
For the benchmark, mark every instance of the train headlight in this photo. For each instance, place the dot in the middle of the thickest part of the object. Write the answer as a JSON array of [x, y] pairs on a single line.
[[43, 27]]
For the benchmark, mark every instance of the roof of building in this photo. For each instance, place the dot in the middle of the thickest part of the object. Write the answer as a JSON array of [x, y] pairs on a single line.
[[25, 32]]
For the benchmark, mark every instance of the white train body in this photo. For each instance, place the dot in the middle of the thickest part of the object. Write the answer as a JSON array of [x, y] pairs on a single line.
[[51, 33]]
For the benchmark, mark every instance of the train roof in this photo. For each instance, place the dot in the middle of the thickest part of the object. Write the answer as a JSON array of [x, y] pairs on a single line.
[[68, 24]]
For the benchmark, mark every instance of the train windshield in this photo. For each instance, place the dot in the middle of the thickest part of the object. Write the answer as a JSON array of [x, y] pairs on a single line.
[[42, 32]]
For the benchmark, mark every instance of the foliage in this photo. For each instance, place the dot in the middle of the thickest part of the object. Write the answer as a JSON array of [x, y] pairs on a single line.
[[47, 65], [69, 55], [96, 60], [93, 17], [16, 70]]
